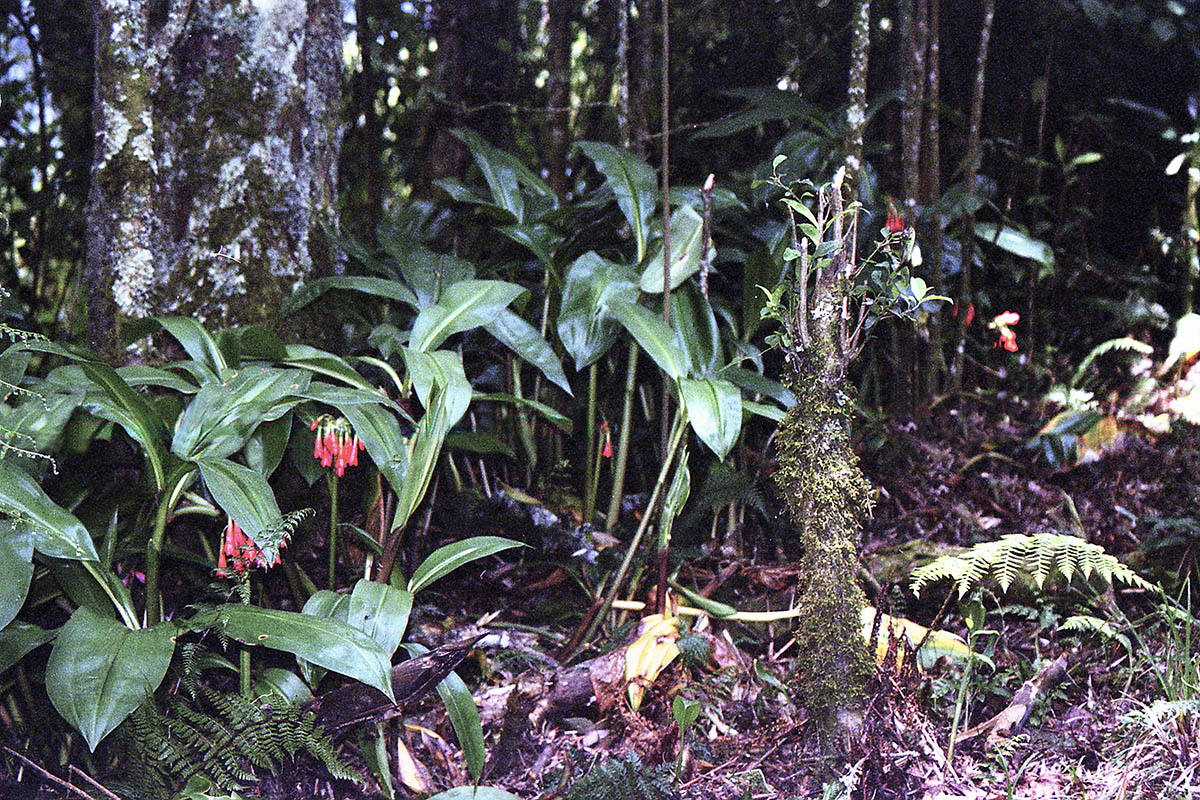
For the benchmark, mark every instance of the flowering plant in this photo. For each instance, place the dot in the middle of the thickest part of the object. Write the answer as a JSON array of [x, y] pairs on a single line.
[[335, 443]]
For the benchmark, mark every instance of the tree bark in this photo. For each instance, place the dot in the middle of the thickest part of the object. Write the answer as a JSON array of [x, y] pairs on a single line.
[[217, 136], [826, 495], [856, 109], [558, 93], [970, 175]]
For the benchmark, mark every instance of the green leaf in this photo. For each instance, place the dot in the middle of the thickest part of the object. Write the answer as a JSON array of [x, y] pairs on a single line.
[[654, 336], [221, 417], [377, 287], [322, 363], [499, 172], [379, 431], [16, 567], [191, 335], [585, 325], [56, 531], [99, 671], [246, 496], [136, 375], [448, 558], [464, 716], [714, 408], [335, 646], [18, 639], [280, 684], [130, 410], [474, 793], [266, 446], [686, 244], [1016, 242], [524, 340], [696, 327], [381, 612], [552, 415], [462, 306], [633, 183], [443, 370], [766, 104]]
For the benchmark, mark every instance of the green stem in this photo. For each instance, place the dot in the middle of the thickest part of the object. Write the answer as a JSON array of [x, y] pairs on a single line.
[[615, 588], [622, 455], [524, 426], [172, 491], [244, 670], [127, 614], [332, 480], [592, 473]]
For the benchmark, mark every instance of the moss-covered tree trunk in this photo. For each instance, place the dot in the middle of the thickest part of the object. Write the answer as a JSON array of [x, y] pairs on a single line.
[[217, 130], [824, 489]]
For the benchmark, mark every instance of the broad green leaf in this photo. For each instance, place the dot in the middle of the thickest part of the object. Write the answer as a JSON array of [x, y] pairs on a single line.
[[753, 382], [766, 104], [99, 671], [277, 684], [191, 335], [585, 325], [448, 558], [498, 171], [246, 496], [381, 612], [442, 369], [464, 716], [524, 340], [266, 446], [39, 421], [633, 183], [474, 793], [541, 240], [377, 287], [686, 229], [427, 272], [660, 341], [773, 413], [56, 531], [18, 639], [326, 604], [141, 375], [322, 363], [129, 409], [696, 326], [462, 306], [1016, 242], [714, 408], [251, 343], [379, 431], [333, 645], [16, 567], [221, 417]]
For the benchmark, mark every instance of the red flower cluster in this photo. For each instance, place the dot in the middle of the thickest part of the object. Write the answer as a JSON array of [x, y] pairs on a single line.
[[335, 444], [895, 222], [1002, 324], [238, 552]]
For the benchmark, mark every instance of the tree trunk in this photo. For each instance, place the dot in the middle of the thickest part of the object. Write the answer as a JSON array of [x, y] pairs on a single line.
[[856, 108], [217, 135], [826, 496], [558, 94]]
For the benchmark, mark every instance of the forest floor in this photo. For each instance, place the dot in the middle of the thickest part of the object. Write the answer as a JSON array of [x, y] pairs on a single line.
[[961, 474]]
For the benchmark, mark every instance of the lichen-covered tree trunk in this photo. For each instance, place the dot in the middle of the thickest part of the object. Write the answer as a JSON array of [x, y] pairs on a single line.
[[826, 496], [217, 130]]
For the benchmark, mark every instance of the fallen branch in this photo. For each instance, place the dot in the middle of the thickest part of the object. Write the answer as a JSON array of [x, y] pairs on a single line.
[[1010, 721]]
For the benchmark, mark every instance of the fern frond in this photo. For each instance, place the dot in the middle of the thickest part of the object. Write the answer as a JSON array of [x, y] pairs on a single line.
[[1124, 344], [1041, 557]]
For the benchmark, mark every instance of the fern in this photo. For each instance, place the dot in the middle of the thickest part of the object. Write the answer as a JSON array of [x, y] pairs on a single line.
[[1085, 623], [623, 778], [1041, 556], [1125, 344], [228, 739]]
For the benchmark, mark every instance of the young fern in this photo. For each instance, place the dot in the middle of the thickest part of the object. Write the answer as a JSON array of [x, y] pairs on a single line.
[[1040, 556]]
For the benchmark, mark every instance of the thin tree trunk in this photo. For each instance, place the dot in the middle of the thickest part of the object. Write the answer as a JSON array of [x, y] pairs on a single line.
[[856, 109], [558, 89], [931, 190], [971, 173]]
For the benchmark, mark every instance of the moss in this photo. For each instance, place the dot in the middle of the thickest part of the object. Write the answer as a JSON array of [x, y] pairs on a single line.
[[826, 495]]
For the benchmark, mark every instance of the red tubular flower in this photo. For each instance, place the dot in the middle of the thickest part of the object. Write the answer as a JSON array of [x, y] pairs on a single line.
[[335, 444], [238, 552], [606, 451], [895, 222]]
